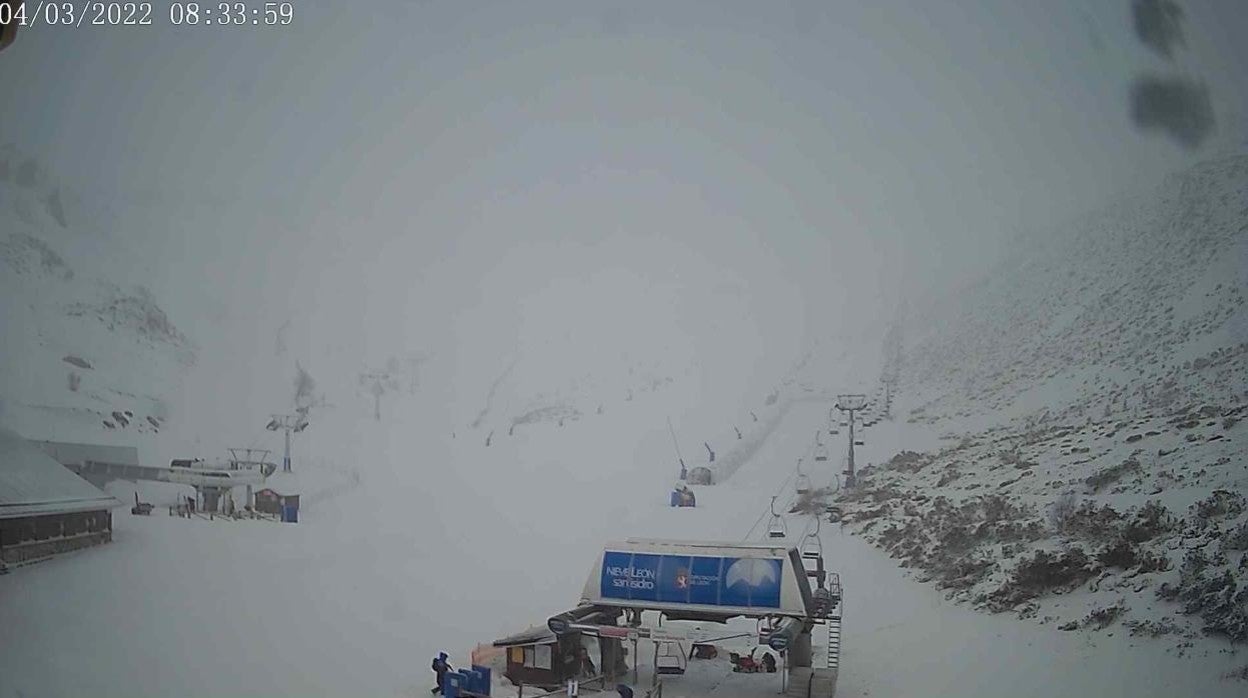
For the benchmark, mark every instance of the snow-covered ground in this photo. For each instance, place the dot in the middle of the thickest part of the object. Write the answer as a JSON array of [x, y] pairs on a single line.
[[1090, 393], [371, 582], [475, 506]]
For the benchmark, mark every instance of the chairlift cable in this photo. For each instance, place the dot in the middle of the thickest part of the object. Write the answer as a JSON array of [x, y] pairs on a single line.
[[796, 470]]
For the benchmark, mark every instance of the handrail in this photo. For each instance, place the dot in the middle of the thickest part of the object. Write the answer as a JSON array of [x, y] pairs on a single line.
[[600, 678], [655, 691]]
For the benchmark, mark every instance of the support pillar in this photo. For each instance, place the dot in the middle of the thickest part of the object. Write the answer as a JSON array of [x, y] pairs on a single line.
[[799, 650]]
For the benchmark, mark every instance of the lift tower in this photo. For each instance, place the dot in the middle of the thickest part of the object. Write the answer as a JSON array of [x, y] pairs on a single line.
[[849, 404]]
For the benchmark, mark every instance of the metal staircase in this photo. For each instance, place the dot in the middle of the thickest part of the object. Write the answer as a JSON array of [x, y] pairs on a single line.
[[833, 658]]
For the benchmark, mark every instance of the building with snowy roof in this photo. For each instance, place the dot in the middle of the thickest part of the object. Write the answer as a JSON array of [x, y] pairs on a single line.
[[46, 509]]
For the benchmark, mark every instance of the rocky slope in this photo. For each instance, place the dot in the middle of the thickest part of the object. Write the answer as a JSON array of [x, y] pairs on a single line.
[[1091, 392], [84, 355]]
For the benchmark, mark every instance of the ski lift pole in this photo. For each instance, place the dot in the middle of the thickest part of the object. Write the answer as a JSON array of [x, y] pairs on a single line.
[[850, 404], [288, 423], [676, 444]]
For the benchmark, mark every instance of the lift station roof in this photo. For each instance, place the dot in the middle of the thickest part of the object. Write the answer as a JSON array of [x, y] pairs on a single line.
[[700, 578]]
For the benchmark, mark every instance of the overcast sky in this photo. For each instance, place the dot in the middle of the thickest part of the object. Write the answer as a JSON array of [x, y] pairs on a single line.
[[439, 174]]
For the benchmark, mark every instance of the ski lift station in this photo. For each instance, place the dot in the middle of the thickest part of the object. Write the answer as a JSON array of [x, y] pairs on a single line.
[[247, 468], [684, 597]]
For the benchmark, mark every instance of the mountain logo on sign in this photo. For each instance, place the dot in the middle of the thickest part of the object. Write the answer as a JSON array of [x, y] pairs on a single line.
[[752, 572]]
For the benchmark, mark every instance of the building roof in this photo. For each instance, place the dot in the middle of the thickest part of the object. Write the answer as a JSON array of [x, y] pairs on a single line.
[[32, 483], [77, 454], [536, 635]]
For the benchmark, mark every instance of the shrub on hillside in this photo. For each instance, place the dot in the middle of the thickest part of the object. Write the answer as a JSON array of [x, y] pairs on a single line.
[[1043, 573], [1091, 522], [1152, 628], [1061, 511], [1112, 474], [1153, 562], [1221, 504], [1208, 589], [1236, 539], [1120, 554], [812, 501], [908, 461], [1150, 521], [1101, 618]]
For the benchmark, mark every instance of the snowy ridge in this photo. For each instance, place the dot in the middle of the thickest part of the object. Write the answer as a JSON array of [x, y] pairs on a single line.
[[606, 385], [1139, 306], [81, 352], [1090, 394]]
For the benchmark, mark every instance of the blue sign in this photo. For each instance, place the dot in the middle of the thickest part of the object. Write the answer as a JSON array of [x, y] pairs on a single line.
[[684, 579]]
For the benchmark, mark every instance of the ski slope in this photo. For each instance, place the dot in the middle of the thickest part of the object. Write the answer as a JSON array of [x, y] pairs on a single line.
[[353, 599], [902, 638]]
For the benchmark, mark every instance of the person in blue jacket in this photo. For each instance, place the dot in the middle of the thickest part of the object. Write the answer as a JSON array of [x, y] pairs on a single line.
[[440, 666]]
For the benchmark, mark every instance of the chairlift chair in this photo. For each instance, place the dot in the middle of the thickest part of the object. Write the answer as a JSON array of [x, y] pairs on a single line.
[[776, 527], [812, 560], [668, 661], [812, 545], [821, 452], [803, 483], [814, 570]]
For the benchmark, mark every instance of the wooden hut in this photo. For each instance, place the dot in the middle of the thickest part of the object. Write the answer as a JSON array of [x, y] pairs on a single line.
[[269, 501], [538, 657]]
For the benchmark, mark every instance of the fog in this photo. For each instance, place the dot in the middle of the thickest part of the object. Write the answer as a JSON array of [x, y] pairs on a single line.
[[553, 196]]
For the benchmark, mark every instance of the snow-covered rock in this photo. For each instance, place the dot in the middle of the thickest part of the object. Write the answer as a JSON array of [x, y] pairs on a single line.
[[1092, 389], [85, 356]]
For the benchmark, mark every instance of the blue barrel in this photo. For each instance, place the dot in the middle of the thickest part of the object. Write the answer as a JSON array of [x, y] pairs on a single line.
[[452, 682], [484, 673], [472, 680]]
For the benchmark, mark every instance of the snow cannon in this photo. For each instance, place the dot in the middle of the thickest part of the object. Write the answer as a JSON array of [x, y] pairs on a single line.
[[141, 508], [682, 497], [701, 475]]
